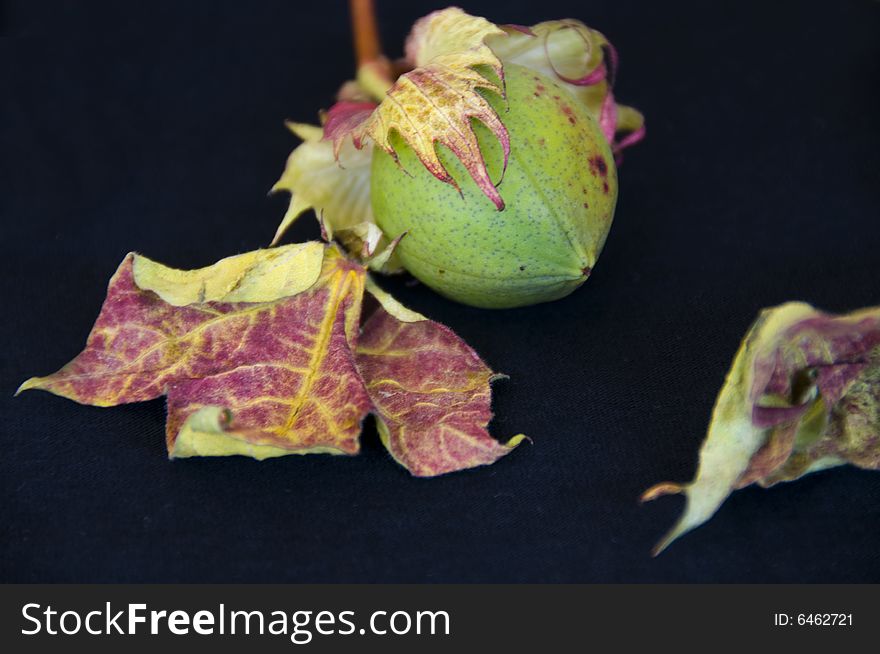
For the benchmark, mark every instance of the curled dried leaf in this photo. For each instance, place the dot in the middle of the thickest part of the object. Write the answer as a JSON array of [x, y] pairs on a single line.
[[257, 276], [803, 394]]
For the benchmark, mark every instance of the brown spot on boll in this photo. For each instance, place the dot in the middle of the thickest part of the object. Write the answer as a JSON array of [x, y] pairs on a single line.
[[598, 166]]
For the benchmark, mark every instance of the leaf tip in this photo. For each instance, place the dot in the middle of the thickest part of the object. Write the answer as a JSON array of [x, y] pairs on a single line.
[[304, 131], [659, 490], [672, 535], [516, 440], [29, 384], [660, 547]]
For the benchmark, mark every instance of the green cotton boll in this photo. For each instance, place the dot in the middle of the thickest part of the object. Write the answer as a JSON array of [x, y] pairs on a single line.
[[559, 192]]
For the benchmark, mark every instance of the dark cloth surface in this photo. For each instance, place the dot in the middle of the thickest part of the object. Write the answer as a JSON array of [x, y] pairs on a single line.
[[157, 127]]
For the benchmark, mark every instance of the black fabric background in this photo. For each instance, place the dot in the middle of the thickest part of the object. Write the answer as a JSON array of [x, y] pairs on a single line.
[[157, 127]]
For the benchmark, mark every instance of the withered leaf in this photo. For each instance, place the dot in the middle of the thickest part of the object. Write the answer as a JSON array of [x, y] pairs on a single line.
[[275, 376], [430, 393], [258, 355], [803, 394]]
